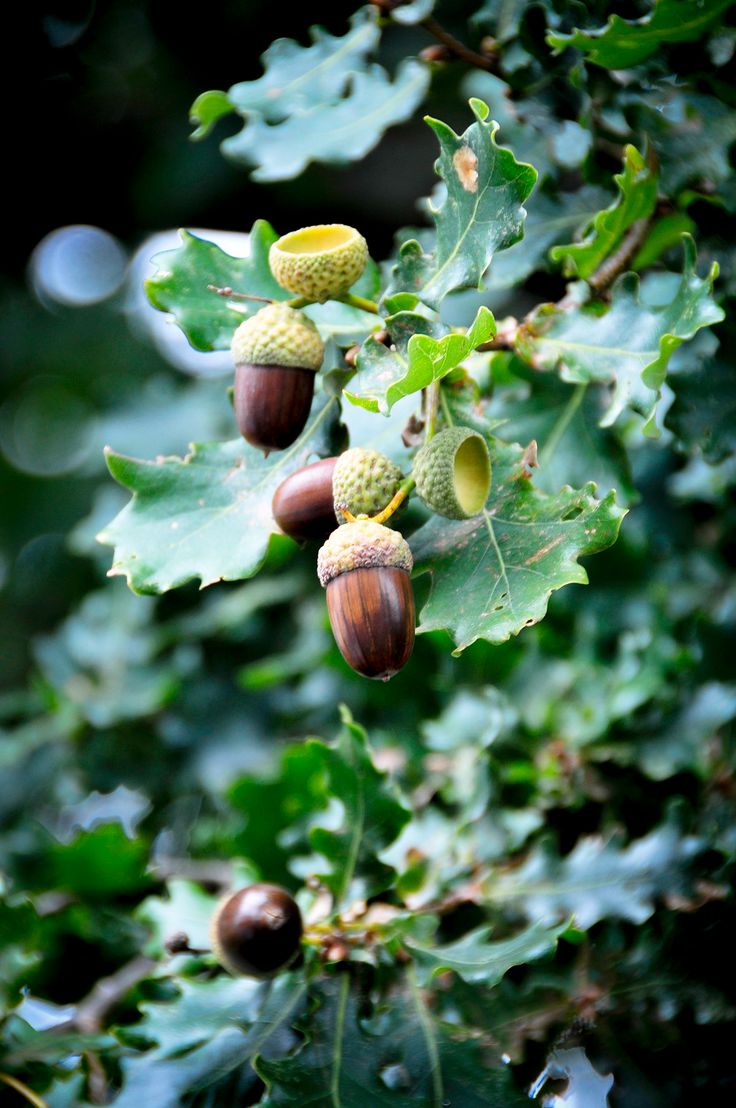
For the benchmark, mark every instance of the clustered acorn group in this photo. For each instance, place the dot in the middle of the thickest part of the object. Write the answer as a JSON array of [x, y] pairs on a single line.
[[363, 565]]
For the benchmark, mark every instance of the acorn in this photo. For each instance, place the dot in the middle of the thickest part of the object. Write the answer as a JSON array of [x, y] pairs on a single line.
[[365, 569], [363, 483], [302, 504], [452, 473], [257, 931], [319, 263], [276, 353]]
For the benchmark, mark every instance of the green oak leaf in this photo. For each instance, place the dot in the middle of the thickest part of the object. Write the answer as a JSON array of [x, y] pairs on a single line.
[[637, 187], [629, 345], [295, 77], [415, 359], [402, 1056], [372, 818], [626, 42], [551, 219], [691, 133], [335, 133], [180, 286], [599, 879], [209, 1030], [565, 424], [492, 575], [703, 414], [478, 960], [207, 515], [208, 320], [481, 214]]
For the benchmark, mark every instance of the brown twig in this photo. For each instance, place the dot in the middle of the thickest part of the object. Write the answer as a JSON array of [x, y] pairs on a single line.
[[610, 268], [205, 871], [228, 292], [472, 57], [107, 993]]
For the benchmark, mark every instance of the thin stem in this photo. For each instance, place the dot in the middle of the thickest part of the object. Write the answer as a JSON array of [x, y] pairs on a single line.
[[228, 292], [31, 1097], [472, 57], [299, 302], [361, 302], [430, 1041], [109, 991], [562, 423], [446, 410], [609, 269], [395, 502], [432, 404]]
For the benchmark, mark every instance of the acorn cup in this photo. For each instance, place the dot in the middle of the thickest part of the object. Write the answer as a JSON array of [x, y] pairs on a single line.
[[319, 263], [302, 504], [277, 353], [365, 569], [452, 473], [257, 931], [363, 482]]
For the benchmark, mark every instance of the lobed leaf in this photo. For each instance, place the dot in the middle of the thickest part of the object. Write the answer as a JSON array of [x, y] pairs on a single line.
[[629, 345], [334, 133], [206, 516], [637, 196], [623, 43], [481, 962], [492, 575], [481, 214], [599, 879], [415, 359]]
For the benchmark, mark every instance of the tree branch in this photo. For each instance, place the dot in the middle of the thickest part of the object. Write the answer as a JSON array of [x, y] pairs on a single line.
[[472, 57]]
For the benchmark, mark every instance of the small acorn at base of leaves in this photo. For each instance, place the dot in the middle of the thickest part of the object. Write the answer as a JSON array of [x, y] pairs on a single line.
[[302, 504], [277, 353], [365, 569], [320, 262], [453, 473], [257, 931]]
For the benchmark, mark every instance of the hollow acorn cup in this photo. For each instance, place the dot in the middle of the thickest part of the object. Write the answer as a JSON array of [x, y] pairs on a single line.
[[453, 473], [363, 483], [276, 353], [319, 263], [365, 569], [302, 504], [257, 931]]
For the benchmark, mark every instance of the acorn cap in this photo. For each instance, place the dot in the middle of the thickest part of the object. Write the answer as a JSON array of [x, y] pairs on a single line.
[[321, 262], [453, 473], [363, 482], [362, 545], [278, 335]]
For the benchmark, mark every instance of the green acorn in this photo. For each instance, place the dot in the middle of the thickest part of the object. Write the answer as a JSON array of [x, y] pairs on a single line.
[[365, 569], [363, 482], [319, 263], [276, 353], [453, 473]]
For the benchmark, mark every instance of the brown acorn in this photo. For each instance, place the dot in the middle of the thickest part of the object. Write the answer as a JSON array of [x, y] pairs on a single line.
[[276, 353], [365, 569], [302, 504], [257, 931]]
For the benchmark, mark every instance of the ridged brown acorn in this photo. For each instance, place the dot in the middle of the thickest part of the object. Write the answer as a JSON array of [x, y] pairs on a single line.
[[257, 931], [365, 569], [276, 353], [302, 504]]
